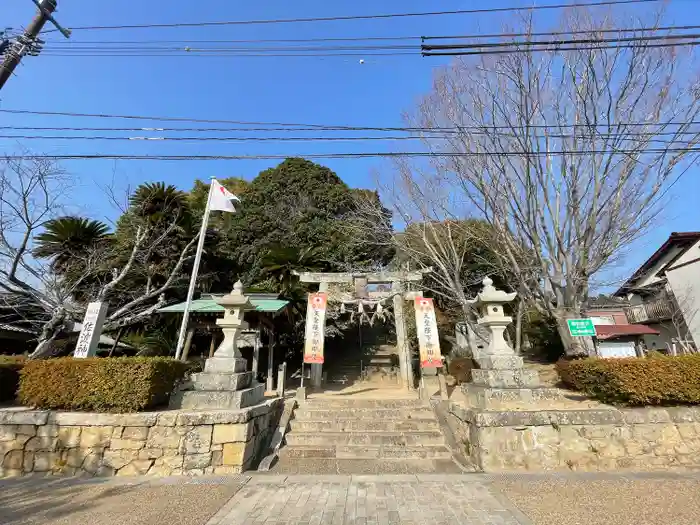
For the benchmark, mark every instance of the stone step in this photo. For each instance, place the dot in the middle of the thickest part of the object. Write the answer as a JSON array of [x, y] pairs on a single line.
[[401, 414], [381, 369], [399, 439], [364, 425], [334, 466], [381, 378], [335, 403], [380, 360], [386, 351], [342, 380], [367, 452]]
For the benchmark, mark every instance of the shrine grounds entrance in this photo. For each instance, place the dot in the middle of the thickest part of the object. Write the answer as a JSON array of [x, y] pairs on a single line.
[[371, 353]]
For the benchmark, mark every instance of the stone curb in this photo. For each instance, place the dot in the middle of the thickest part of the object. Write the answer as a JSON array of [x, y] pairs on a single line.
[[604, 416], [364, 478]]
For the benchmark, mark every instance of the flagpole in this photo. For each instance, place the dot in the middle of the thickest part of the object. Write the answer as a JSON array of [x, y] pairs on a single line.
[[193, 277]]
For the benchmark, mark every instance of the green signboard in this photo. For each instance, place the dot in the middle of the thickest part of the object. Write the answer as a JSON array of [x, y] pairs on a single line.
[[581, 327]]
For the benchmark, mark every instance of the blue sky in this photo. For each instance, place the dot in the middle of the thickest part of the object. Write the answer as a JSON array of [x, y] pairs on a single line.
[[328, 90]]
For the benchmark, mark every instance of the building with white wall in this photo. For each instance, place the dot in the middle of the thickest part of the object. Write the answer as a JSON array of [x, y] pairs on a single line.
[[664, 293]]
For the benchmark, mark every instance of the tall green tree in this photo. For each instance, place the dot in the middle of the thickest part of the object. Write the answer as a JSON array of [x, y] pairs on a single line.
[[296, 205]]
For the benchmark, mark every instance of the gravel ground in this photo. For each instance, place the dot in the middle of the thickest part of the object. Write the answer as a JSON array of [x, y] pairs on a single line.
[[56, 501], [556, 499], [633, 500]]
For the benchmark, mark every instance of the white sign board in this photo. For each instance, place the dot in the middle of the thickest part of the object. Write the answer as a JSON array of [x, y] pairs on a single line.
[[315, 328], [608, 349], [89, 336], [428, 339]]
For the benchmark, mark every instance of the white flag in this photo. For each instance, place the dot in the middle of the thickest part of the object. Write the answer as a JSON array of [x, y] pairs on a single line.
[[221, 198]]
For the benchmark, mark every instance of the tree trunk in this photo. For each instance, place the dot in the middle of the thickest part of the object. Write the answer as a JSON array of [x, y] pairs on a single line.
[[51, 330], [212, 345], [120, 332], [573, 346], [188, 344], [519, 326]]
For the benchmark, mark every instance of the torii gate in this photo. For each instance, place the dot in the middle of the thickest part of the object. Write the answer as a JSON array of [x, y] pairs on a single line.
[[398, 293]]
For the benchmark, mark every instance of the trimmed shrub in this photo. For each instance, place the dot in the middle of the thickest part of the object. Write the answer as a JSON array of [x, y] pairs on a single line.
[[10, 367], [124, 384], [636, 381]]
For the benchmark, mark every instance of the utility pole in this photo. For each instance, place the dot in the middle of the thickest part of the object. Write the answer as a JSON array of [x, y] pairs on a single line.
[[29, 43]]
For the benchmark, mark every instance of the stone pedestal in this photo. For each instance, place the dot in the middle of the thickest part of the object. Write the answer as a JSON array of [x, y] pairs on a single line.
[[224, 383], [500, 379]]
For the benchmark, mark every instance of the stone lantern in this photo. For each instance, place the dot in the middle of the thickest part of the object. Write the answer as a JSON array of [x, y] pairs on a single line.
[[489, 304], [235, 305], [499, 367], [224, 383]]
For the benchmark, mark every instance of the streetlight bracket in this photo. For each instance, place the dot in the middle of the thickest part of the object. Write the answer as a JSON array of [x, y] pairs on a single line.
[[65, 32]]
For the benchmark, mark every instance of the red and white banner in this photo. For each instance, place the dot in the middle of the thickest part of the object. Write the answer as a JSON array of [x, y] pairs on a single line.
[[428, 339], [315, 328]]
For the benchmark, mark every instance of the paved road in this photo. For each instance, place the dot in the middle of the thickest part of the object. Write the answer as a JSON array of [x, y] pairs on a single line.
[[367, 500], [470, 499]]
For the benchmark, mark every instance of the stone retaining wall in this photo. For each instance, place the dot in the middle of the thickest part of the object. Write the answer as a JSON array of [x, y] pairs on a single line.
[[155, 443], [594, 440]]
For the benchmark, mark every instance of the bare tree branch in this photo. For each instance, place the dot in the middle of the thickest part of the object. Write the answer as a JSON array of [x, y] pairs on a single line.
[[556, 168]]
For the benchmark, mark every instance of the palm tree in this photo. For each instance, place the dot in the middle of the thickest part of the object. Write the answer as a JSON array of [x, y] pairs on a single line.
[[156, 201], [279, 263], [66, 238]]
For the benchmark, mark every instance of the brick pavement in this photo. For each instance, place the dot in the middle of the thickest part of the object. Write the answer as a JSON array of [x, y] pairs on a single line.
[[367, 500]]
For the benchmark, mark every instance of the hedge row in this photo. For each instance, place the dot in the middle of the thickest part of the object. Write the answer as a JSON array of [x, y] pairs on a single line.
[[636, 381], [10, 367], [127, 384]]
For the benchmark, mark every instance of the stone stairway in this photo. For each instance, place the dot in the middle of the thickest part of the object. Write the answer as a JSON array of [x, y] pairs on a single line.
[[362, 429], [379, 365], [382, 365]]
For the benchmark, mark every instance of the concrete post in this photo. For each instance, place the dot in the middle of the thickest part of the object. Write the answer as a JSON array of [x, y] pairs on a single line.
[[405, 364], [270, 360], [281, 379], [256, 355]]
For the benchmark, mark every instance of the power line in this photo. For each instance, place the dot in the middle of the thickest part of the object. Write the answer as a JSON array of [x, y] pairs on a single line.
[[328, 127], [77, 44], [213, 139], [166, 119], [642, 137], [242, 49], [436, 50], [424, 47], [651, 38], [368, 17], [559, 33], [444, 132], [557, 49], [249, 41], [382, 154], [227, 55]]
